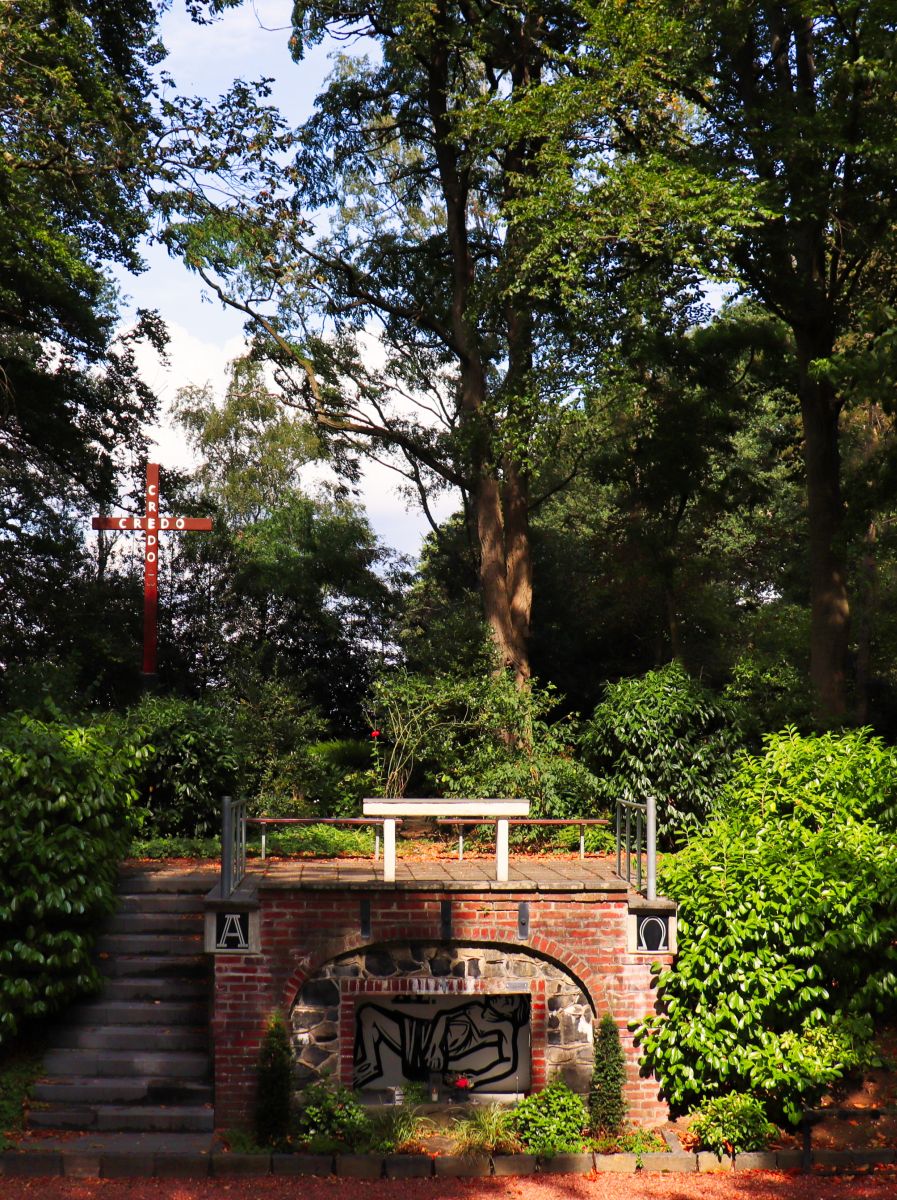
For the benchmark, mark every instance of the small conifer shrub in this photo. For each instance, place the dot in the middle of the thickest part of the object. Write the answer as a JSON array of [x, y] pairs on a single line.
[[607, 1106], [275, 1085]]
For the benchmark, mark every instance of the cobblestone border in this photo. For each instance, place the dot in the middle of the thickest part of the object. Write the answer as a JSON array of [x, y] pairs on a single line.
[[38, 1163]]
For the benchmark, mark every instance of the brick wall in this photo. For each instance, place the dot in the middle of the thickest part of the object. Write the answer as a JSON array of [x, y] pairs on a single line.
[[301, 930]]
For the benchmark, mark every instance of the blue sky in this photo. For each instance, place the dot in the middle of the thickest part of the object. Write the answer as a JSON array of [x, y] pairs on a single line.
[[247, 42]]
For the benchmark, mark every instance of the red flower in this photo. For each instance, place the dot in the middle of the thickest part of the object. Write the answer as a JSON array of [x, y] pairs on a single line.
[[375, 733], [462, 1082]]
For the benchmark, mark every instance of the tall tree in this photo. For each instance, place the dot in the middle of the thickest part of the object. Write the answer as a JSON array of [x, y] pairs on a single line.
[[415, 328], [795, 106], [76, 121]]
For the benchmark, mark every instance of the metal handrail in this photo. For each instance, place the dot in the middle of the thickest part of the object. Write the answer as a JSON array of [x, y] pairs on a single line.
[[233, 844], [264, 822], [644, 845], [582, 822]]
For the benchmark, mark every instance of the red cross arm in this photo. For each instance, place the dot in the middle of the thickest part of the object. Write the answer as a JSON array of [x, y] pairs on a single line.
[[166, 524], [116, 523]]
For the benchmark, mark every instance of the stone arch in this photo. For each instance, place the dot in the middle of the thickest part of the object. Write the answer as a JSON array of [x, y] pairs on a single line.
[[322, 995], [539, 947]]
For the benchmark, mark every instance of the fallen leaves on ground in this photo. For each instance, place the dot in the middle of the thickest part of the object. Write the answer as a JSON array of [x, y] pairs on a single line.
[[751, 1185]]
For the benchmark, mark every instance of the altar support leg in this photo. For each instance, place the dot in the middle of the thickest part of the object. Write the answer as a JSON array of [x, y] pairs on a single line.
[[501, 850], [389, 850]]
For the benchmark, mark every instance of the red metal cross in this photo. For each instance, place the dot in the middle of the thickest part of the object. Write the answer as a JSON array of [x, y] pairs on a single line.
[[152, 524]]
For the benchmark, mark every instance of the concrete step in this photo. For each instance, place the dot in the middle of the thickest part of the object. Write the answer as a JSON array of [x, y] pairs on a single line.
[[73, 1091], [174, 1064], [132, 1037], [162, 902], [138, 1117], [154, 922], [138, 1012], [149, 943], [148, 987], [189, 965], [139, 882]]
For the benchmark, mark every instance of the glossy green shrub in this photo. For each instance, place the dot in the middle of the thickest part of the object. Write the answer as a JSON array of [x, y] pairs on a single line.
[[194, 762], [66, 808], [733, 1124], [664, 735], [551, 1121], [787, 928]]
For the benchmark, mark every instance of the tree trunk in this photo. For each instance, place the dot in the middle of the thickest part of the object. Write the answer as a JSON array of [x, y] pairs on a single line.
[[869, 591], [829, 606]]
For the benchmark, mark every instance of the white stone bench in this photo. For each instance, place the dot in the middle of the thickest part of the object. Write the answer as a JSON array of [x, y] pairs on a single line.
[[477, 810]]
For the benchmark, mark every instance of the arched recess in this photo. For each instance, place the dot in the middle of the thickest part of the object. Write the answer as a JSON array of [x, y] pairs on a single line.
[[383, 1011]]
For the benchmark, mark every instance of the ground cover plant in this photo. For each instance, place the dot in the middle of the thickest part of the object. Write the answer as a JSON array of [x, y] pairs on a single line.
[[487, 1129], [787, 928]]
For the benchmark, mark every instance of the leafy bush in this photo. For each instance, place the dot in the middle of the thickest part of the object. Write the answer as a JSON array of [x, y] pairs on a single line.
[[767, 694], [330, 1118], [274, 1098], [453, 736], [733, 1124], [551, 1121], [662, 735], [486, 1129], [787, 928], [66, 809], [607, 1106], [194, 762]]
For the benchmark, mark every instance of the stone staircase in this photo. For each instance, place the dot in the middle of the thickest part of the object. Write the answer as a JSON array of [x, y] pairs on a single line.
[[136, 1057]]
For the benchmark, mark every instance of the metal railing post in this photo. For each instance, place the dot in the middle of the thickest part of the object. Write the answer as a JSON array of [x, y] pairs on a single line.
[[651, 839], [227, 847]]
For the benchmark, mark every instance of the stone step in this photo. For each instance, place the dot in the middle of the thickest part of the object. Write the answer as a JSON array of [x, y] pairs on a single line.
[[154, 922], [189, 965], [73, 1091], [149, 943], [183, 1064], [138, 1117], [138, 1012], [148, 987], [132, 1037], [162, 902], [184, 882]]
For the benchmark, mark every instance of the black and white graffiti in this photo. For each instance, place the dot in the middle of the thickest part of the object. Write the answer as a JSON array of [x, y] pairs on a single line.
[[484, 1039]]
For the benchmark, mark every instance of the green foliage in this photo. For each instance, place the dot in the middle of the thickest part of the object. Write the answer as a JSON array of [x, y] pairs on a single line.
[[634, 1140], [767, 694], [478, 737], [398, 1129], [20, 1065], [194, 763], [174, 847], [787, 927], [66, 809], [325, 841], [607, 1106], [551, 1121], [661, 735], [486, 1129], [330, 1118], [733, 1124], [274, 1097]]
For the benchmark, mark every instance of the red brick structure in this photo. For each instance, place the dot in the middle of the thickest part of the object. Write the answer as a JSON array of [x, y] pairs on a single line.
[[574, 938]]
